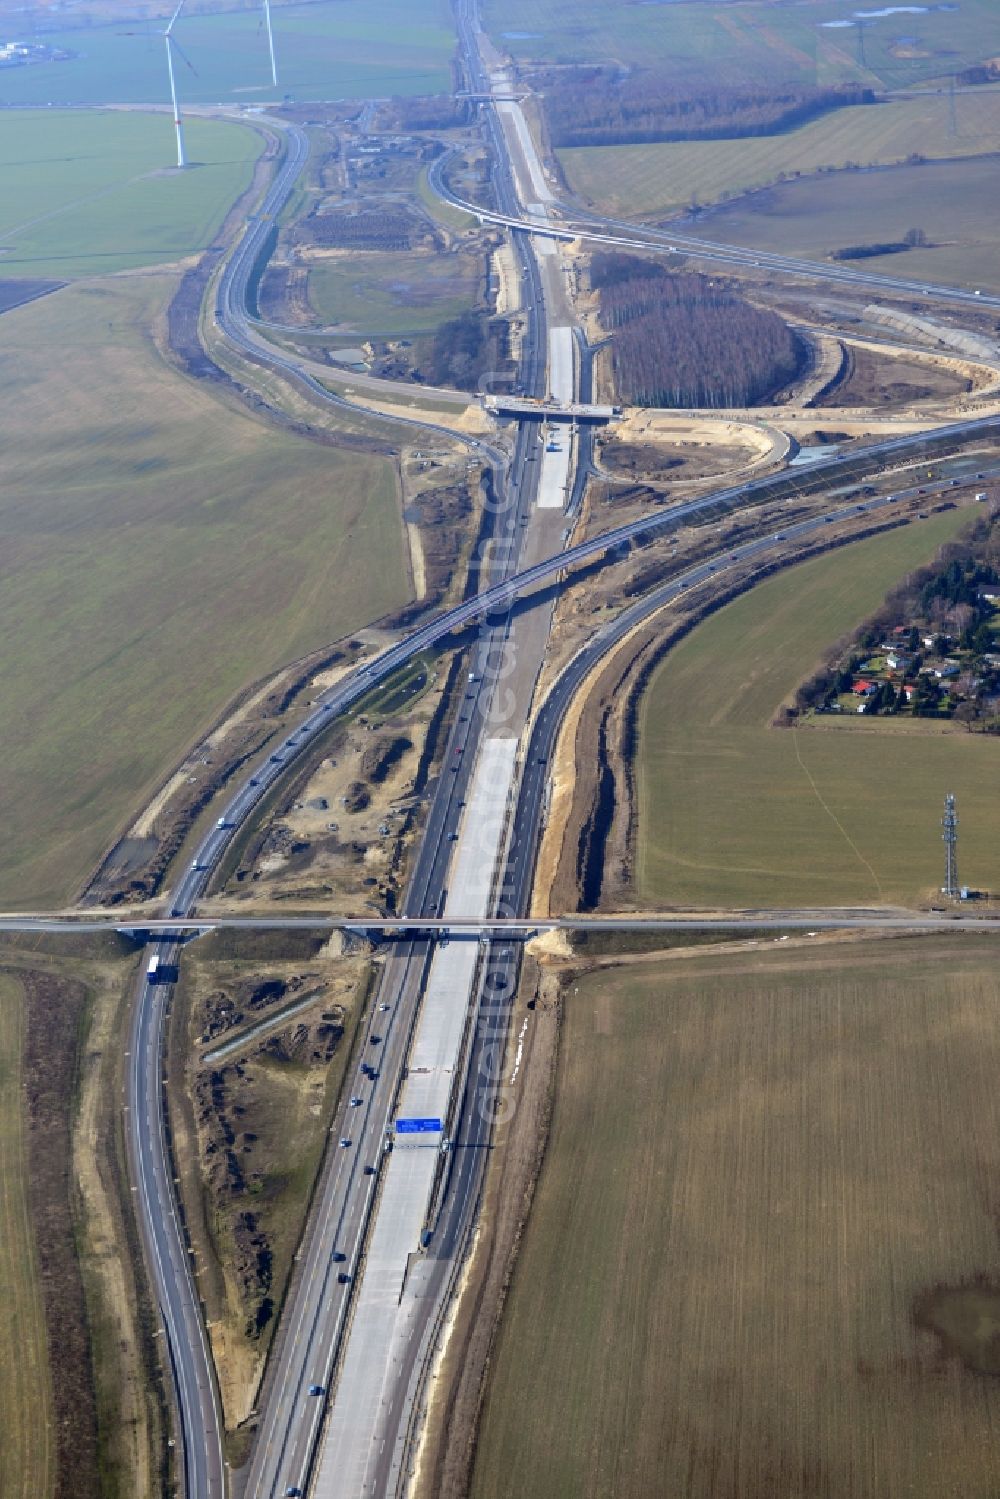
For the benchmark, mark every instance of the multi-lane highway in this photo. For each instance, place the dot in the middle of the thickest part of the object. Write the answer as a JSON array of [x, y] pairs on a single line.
[[309, 1337]]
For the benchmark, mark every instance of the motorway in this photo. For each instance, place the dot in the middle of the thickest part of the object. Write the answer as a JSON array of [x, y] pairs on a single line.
[[187, 1355], [313, 1326], [199, 1418], [309, 1336]]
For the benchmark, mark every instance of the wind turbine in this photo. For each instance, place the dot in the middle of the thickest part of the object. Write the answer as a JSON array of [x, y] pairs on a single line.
[[270, 42], [170, 42]]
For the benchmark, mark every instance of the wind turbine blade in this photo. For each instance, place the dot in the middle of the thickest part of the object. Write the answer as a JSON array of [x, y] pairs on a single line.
[[173, 18], [173, 42]]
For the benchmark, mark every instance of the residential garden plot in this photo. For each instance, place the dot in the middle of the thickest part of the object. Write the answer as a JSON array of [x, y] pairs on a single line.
[[327, 49], [761, 1258], [159, 549], [734, 811], [654, 179], [90, 192]]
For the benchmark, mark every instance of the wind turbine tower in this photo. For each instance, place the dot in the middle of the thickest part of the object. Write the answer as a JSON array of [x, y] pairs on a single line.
[[270, 42], [170, 45]]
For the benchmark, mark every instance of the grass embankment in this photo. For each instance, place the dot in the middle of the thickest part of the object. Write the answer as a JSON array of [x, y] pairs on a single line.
[[953, 202], [445, 213], [86, 193], [377, 292], [732, 811], [652, 179], [28, 1449], [349, 49], [748, 44], [765, 1168], [159, 548]]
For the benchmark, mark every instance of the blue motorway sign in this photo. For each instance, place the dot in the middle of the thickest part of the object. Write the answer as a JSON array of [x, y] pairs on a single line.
[[417, 1126]]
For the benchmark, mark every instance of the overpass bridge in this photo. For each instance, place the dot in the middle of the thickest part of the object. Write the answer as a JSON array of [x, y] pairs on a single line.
[[517, 929], [525, 409]]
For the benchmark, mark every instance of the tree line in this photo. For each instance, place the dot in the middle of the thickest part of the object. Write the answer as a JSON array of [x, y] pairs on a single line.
[[684, 340], [602, 107]]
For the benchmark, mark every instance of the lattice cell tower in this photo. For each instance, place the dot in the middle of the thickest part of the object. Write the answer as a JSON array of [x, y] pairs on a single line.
[[949, 823]]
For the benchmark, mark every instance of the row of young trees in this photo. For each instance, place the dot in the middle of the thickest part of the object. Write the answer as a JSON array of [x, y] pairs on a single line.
[[682, 340], [603, 106], [369, 229]]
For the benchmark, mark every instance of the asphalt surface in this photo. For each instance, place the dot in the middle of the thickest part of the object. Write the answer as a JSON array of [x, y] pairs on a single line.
[[519, 929], [199, 1425]]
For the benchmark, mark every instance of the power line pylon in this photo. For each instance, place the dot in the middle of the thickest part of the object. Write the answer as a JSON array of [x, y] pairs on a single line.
[[949, 824]]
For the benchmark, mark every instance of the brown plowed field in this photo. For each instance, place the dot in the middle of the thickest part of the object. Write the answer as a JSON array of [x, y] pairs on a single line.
[[762, 1258]]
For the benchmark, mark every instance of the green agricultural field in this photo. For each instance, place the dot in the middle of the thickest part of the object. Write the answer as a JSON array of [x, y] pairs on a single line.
[[769, 1179], [955, 203], [27, 1452], [375, 292], [734, 812], [159, 548], [84, 193], [333, 49], [749, 43], [656, 179]]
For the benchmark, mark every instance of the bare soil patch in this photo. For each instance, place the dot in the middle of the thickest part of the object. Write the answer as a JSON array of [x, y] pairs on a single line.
[[656, 463], [258, 1049], [873, 380]]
